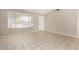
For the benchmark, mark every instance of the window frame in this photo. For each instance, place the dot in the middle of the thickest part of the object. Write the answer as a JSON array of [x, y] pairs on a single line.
[[21, 14]]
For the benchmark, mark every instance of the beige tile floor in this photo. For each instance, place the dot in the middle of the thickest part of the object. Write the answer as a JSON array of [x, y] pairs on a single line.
[[38, 41]]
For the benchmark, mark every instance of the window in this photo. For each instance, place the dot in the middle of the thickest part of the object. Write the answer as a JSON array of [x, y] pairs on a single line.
[[19, 20]]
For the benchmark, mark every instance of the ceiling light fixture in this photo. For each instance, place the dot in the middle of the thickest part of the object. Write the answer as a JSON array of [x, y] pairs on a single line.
[[57, 10]]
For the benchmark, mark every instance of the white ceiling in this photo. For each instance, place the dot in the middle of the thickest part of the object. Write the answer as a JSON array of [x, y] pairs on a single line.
[[40, 11]]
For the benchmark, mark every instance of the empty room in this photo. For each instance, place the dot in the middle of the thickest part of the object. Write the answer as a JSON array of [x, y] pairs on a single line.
[[39, 29]]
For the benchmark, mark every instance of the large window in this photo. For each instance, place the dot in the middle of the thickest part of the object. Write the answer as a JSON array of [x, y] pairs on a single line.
[[19, 20]]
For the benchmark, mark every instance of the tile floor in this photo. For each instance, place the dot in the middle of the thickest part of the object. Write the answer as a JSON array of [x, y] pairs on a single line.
[[38, 41]]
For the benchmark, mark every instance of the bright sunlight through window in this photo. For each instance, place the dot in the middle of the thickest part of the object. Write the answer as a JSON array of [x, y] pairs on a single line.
[[19, 20]]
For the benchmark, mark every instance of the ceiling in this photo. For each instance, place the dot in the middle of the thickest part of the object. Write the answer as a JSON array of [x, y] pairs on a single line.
[[40, 11]]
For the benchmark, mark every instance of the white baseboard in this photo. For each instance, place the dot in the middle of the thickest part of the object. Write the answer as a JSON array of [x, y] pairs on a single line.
[[74, 36]]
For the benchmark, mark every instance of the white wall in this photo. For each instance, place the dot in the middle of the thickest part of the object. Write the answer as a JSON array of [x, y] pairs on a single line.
[[4, 23], [63, 21], [77, 23]]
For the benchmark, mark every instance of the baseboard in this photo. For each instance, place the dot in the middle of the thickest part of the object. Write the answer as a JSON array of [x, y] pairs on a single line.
[[74, 36]]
